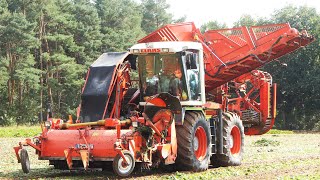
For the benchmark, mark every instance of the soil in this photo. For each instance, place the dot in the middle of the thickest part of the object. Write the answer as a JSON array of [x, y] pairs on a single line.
[[297, 156]]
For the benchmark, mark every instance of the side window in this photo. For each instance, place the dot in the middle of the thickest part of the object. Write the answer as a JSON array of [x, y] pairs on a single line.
[[192, 65], [192, 61]]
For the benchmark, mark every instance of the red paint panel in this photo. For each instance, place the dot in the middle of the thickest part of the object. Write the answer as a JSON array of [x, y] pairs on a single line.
[[265, 100], [60, 140]]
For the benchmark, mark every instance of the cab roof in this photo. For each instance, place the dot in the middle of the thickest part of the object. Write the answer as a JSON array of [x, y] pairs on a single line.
[[173, 46]]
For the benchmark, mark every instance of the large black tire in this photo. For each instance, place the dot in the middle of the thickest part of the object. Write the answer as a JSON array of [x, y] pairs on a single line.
[[233, 141], [193, 139], [121, 170], [25, 163]]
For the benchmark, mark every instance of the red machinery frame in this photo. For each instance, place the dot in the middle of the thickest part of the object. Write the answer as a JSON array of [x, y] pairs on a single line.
[[231, 57], [106, 139], [231, 54], [256, 104]]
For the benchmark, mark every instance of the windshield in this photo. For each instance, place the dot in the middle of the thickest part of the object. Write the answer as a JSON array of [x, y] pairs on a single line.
[[162, 73]]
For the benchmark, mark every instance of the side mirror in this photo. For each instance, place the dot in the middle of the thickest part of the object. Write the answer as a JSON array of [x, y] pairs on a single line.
[[192, 61], [132, 60]]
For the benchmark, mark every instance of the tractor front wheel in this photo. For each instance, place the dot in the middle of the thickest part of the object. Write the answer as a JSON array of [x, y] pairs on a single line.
[[193, 139], [233, 141], [25, 163], [122, 169]]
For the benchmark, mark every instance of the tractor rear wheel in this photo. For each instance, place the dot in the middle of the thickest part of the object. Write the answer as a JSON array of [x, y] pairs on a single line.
[[193, 139], [122, 169], [25, 163], [233, 141]]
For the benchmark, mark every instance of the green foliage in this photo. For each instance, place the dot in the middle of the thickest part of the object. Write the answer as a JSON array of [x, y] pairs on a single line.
[[245, 20], [298, 96], [180, 20], [155, 14], [20, 76], [19, 131], [248, 20], [6, 119], [87, 35], [3, 72], [299, 82], [120, 24], [277, 131], [266, 142], [316, 126], [47, 45], [212, 25]]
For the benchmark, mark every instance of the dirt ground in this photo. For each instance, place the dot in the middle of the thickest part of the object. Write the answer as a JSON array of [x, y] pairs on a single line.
[[296, 157]]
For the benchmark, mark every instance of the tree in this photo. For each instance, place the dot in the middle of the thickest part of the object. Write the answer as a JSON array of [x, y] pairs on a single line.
[[180, 19], [18, 65], [155, 15], [86, 33], [68, 38], [120, 24], [299, 83], [248, 20], [59, 50], [245, 20], [3, 63], [212, 25]]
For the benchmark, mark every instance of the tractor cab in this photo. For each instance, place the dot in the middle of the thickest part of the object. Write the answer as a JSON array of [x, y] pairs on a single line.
[[170, 67]]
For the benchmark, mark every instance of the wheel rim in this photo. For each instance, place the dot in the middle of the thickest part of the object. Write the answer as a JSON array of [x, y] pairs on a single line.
[[235, 140], [200, 143], [124, 169]]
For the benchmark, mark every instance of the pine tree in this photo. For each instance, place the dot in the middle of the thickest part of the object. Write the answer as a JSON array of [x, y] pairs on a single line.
[[299, 82], [86, 32], [120, 24], [212, 25], [155, 14], [58, 48], [16, 43]]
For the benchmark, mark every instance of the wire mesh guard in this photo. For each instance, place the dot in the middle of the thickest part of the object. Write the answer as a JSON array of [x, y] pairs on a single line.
[[259, 32], [235, 34]]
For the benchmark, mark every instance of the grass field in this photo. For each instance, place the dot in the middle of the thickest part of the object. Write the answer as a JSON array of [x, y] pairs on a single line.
[[19, 131], [270, 156]]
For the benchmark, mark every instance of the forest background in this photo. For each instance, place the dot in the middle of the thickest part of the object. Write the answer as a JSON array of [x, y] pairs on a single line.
[[46, 47]]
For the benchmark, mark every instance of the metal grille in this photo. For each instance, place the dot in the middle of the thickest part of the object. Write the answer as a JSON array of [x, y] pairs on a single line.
[[262, 31], [235, 34], [167, 35], [250, 116]]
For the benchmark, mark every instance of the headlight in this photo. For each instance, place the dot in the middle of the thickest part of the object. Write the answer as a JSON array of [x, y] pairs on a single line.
[[135, 124], [48, 124], [165, 50], [136, 51]]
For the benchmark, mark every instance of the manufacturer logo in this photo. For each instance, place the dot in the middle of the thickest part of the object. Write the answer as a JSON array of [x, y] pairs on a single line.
[[156, 50], [83, 146]]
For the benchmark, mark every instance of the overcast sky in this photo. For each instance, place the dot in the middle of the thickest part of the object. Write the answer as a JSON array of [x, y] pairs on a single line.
[[229, 11]]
